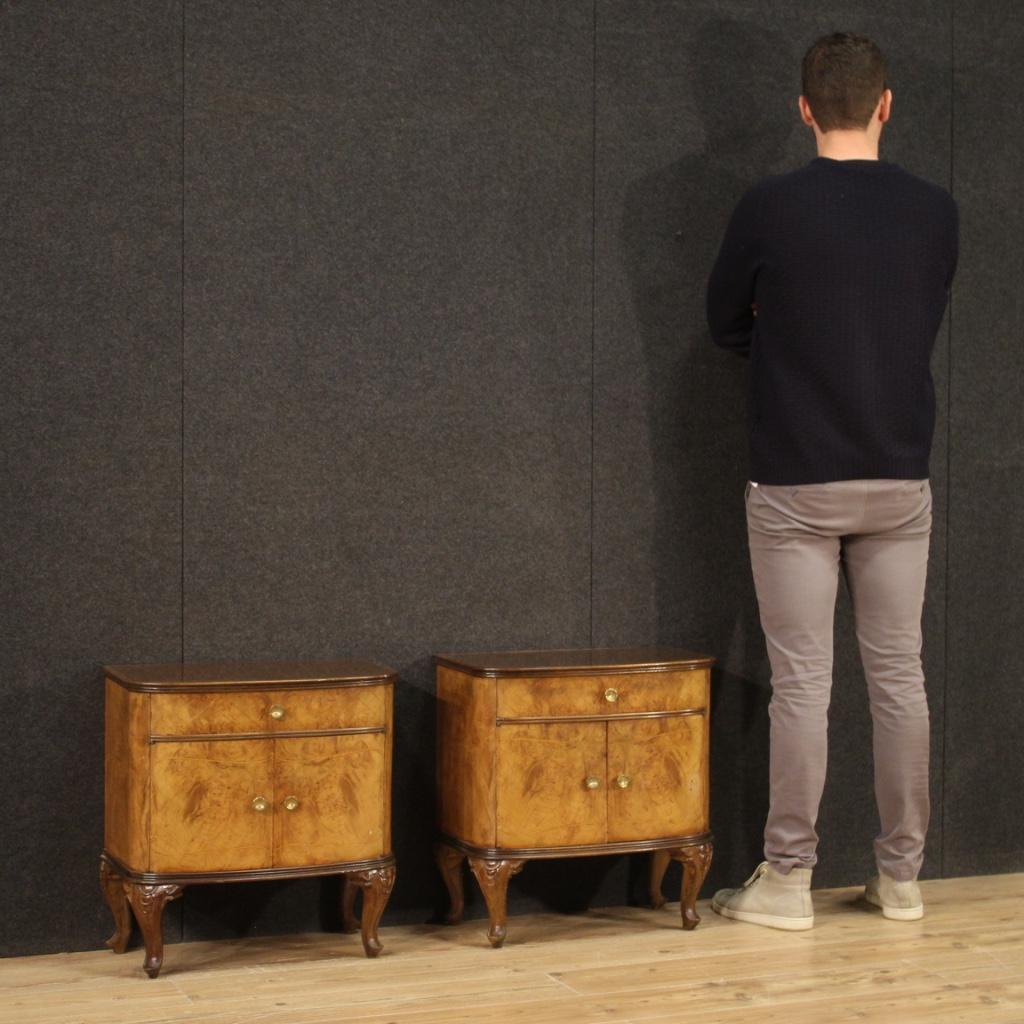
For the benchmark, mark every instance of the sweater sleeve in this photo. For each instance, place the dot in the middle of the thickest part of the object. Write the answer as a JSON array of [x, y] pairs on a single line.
[[730, 287]]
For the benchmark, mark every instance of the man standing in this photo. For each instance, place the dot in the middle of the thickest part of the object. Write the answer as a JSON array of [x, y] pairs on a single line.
[[832, 280]]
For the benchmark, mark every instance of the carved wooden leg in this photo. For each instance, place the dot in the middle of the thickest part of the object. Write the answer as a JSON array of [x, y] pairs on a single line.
[[112, 885], [349, 921], [659, 865], [376, 884], [696, 860], [148, 903], [449, 863], [493, 876]]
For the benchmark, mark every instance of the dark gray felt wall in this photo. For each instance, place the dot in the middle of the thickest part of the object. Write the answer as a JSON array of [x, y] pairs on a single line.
[[376, 329]]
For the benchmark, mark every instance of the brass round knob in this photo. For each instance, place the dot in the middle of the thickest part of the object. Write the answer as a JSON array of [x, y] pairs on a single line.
[[593, 782], [276, 712], [623, 782], [291, 803], [260, 803], [611, 695]]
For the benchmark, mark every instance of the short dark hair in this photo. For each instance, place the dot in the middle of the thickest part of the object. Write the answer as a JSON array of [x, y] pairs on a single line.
[[842, 77]]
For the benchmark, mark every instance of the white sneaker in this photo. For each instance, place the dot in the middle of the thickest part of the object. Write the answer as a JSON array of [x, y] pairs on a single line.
[[900, 901], [770, 898]]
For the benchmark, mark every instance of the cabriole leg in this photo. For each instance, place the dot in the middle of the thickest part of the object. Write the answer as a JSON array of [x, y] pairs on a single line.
[[493, 876], [696, 860], [148, 902], [449, 863], [659, 865], [376, 884], [112, 884]]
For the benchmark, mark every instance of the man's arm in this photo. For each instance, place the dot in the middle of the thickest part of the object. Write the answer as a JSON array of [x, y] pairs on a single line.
[[730, 288]]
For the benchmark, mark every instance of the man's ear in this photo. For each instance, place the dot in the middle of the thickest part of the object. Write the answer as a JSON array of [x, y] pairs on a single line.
[[885, 105], [804, 108]]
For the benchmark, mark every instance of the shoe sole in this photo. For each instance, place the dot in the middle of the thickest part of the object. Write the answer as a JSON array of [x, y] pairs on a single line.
[[896, 913], [789, 924]]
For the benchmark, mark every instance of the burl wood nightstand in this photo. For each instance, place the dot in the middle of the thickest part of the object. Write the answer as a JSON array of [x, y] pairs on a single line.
[[220, 772], [568, 753]]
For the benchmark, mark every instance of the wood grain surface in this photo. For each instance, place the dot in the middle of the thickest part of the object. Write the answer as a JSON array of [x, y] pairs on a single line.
[[126, 775], [338, 782], [202, 813], [465, 756], [665, 761], [543, 798], [184, 714], [963, 962]]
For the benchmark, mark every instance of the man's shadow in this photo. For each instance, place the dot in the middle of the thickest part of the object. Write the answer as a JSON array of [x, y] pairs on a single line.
[[672, 223]]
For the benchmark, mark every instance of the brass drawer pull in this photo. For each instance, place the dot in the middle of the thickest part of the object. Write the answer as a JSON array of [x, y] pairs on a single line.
[[276, 712], [623, 782], [260, 804], [611, 695], [593, 782], [291, 803]]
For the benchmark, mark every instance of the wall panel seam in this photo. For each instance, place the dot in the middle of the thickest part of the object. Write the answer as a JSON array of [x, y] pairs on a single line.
[[949, 461], [181, 916], [593, 296]]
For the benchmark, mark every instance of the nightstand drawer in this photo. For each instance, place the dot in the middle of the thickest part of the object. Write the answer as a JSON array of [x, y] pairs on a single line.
[[270, 711], [347, 707], [205, 714], [602, 696]]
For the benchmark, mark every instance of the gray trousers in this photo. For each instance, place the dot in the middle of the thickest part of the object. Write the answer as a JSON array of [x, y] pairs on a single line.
[[878, 530]]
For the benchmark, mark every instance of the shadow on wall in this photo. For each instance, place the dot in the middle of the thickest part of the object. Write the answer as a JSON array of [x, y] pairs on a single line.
[[672, 223]]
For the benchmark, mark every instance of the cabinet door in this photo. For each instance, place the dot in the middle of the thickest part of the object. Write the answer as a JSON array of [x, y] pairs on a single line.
[[542, 793], [662, 764], [205, 800], [330, 799]]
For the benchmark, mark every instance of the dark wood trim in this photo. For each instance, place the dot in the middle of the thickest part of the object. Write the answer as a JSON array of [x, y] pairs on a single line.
[[554, 719], [546, 672], [593, 849], [185, 675], [255, 685], [304, 734], [262, 874], [572, 662]]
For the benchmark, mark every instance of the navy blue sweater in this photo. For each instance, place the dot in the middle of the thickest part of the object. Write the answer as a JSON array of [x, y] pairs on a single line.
[[849, 264]]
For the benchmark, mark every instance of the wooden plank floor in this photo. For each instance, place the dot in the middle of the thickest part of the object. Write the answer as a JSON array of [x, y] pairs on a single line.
[[963, 962]]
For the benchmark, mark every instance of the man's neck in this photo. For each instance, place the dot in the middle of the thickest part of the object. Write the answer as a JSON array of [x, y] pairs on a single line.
[[848, 145]]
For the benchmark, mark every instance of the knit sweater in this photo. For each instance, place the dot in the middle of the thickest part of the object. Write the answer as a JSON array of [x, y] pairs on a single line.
[[849, 265]]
